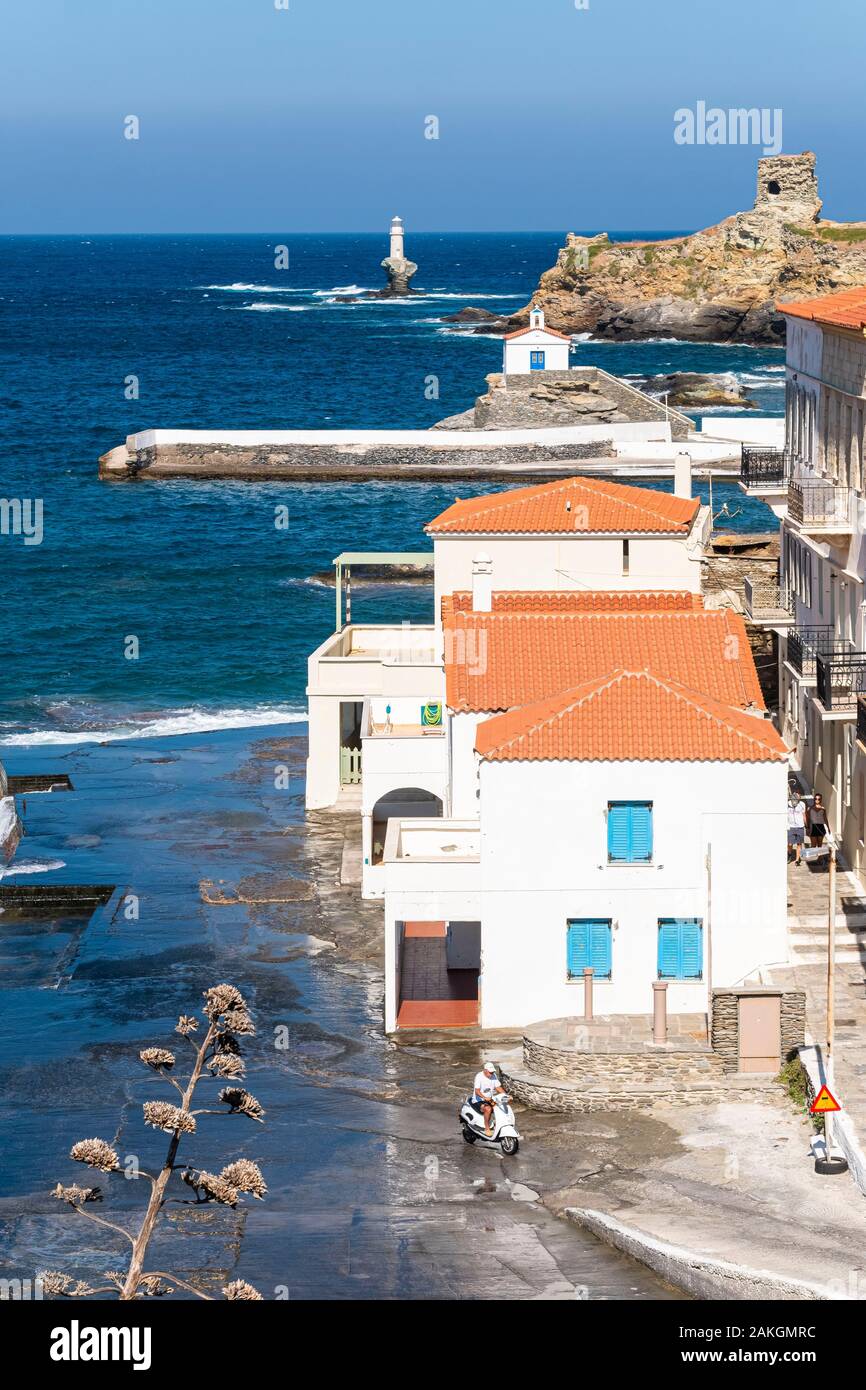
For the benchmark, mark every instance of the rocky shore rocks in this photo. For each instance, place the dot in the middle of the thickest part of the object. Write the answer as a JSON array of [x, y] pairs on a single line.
[[541, 399], [723, 284], [400, 272], [580, 396], [694, 391]]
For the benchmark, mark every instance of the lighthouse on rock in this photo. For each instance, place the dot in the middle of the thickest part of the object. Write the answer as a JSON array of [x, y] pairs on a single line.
[[400, 271], [396, 252]]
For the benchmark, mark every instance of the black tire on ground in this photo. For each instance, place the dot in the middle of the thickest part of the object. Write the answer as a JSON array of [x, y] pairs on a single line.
[[509, 1145], [469, 1136], [830, 1167]]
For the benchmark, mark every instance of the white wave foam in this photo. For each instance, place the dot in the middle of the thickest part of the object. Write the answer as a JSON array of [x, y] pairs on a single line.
[[183, 721], [241, 287], [467, 294], [274, 308], [469, 333], [759, 379], [342, 289], [32, 866]]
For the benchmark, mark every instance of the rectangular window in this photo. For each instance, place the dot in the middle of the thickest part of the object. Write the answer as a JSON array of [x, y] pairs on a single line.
[[681, 948], [629, 832], [588, 943], [625, 557], [536, 360]]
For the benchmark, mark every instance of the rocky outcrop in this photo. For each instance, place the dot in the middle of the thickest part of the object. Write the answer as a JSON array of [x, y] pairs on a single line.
[[580, 396], [538, 400], [723, 284], [694, 391], [400, 272]]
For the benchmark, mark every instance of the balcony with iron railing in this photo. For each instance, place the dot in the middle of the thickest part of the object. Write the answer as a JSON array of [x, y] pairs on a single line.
[[767, 603], [841, 680], [815, 505], [804, 644], [764, 470]]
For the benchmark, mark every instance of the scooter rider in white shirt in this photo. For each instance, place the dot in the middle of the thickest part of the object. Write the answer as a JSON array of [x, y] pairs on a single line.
[[486, 1087]]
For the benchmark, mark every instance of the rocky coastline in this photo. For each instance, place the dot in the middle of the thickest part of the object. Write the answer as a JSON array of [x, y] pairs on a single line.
[[723, 284]]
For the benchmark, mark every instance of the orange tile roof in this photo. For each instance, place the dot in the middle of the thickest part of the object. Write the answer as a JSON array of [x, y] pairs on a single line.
[[575, 601], [629, 716], [844, 310], [519, 332], [571, 504], [496, 661]]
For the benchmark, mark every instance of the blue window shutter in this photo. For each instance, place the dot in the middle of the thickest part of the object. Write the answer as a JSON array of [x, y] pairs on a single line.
[[681, 952], [629, 832], [669, 951], [578, 948], [692, 952], [618, 822], [641, 831], [601, 949], [589, 944]]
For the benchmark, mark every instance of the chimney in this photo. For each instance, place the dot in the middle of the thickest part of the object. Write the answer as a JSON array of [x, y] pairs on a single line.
[[482, 584], [683, 475]]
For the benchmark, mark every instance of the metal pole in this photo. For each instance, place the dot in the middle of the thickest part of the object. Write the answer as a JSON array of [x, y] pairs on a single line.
[[831, 988], [587, 993], [338, 584]]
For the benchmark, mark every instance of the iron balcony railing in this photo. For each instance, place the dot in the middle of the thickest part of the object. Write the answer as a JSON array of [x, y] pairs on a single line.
[[762, 468], [805, 642], [841, 679], [819, 504], [766, 598]]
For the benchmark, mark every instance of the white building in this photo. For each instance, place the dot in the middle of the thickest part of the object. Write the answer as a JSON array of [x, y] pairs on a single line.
[[535, 349], [816, 487], [569, 768]]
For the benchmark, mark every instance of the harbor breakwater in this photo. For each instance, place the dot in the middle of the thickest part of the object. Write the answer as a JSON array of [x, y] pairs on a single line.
[[346, 455]]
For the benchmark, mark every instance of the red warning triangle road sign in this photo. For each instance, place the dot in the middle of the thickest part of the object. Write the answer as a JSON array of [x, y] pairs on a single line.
[[824, 1103]]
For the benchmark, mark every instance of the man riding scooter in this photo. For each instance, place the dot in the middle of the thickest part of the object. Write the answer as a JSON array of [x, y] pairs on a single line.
[[486, 1087]]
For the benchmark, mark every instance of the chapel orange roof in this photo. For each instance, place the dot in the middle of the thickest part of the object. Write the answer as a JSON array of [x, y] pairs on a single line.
[[496, 661], [519, 332], [633, 716], [571, 504], [844, 310], [575, 601]]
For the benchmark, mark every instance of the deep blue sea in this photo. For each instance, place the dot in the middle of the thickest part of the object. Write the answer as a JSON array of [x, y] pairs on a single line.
[[221, 602]]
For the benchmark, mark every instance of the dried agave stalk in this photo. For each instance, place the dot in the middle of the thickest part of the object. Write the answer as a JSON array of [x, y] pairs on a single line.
[[217, 1055]]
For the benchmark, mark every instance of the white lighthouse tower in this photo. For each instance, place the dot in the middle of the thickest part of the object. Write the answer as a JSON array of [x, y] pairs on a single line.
[[396, 252]]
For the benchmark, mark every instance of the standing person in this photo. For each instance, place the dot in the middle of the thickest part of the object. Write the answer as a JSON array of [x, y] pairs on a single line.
[[817, 821], [796, 826]]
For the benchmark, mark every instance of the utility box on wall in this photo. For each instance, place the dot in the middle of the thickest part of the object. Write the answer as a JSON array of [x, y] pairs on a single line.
[[754, 1028]]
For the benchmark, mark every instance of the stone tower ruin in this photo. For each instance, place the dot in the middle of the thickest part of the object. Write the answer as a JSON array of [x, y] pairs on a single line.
[[788, 185]]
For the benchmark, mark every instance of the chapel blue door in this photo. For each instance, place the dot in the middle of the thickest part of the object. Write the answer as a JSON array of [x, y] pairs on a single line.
[[536, 361]]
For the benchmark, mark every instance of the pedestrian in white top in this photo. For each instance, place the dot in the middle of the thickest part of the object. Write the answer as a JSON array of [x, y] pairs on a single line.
[[796, 825]]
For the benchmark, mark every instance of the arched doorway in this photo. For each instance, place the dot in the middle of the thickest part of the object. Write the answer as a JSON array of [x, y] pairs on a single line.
[[402, 803]]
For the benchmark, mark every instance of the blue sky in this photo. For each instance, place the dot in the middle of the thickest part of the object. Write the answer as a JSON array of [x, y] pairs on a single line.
[[312, 118]]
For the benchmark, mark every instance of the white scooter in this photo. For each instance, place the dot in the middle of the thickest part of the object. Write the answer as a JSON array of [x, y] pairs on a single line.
[[503, 1129]]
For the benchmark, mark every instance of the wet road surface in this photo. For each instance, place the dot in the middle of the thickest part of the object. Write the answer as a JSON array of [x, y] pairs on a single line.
[[372, 1193]]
